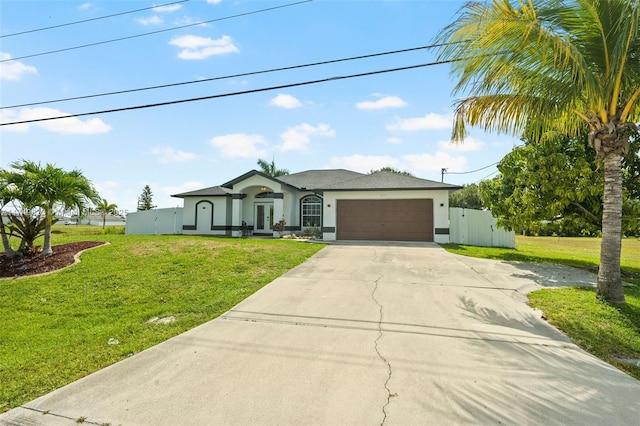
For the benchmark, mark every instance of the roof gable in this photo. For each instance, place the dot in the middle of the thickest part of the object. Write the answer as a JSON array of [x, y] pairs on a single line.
[[247, 175]]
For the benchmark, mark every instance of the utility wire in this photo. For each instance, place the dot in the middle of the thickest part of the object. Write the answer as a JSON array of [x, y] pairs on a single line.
[[155, 32], [245, 92], [162, 86], [488, 176], [89, 20], [472, 171]]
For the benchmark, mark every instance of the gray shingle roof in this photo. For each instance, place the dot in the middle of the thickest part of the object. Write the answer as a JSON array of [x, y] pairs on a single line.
[[331, 180], [317, 179], [212, 191], [387, 180]]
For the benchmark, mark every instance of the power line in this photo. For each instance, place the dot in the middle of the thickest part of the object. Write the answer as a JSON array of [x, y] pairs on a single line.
[[91, 19], [245, 92], [488, 176], [155, 32], [472, 171], [162, 86]]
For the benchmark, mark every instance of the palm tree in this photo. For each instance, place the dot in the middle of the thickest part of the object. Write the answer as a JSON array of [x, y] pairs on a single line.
[[541, 68], [105, 208], [49, 185], [270, 169]]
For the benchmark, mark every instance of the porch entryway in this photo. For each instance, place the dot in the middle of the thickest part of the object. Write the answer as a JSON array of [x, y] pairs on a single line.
[[263, 218]]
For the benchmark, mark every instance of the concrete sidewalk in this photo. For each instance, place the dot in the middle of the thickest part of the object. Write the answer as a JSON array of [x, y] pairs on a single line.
[[363, 335]]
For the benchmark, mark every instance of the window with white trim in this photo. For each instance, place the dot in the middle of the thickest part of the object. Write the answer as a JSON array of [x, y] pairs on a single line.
[[311, 211]]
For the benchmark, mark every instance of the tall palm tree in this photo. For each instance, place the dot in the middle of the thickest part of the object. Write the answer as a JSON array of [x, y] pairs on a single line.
[[52, 185], [105, 208], [540, 68], [270, 169]]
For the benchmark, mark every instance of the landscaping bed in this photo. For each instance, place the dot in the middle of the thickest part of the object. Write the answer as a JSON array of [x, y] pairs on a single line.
[[63, 256]]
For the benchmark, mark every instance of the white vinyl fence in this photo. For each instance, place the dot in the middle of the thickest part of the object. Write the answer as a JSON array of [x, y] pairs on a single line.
[[478, 228], [156, 221]]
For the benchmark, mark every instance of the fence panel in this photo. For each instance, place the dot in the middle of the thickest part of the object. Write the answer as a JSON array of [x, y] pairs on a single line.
[[156, 221], [478, 228]]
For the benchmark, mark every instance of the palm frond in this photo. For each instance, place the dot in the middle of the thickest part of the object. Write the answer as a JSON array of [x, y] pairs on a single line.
[[558, 63]]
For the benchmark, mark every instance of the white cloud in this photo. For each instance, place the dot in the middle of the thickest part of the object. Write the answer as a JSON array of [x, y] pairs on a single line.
[[285, 101], [297, 138], [393, 140], [108, 190], [150, 20], [184, 187], [240, 145], [167, 154], [13, 70], [363, 163], [429, 121], [214, 1], [70, 125], [429, 162], [415, 163], [188, 20], [168, 8], [386, 102], [468, 145], [194, 47], [85, 6]]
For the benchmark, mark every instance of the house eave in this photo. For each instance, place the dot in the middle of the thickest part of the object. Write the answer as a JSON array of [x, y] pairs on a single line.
[[250, 173], [438, 188]]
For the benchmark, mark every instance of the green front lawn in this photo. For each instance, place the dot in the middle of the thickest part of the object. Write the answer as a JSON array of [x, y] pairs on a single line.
[[610, 332], [55, 329]]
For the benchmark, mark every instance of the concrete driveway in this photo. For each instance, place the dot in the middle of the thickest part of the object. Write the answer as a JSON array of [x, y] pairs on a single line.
[[363, 335]]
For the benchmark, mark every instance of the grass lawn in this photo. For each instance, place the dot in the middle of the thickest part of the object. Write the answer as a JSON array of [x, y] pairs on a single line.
[[610, 332], [55, 328]]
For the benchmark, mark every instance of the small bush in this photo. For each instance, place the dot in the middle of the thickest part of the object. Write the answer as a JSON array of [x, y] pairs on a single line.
[[112, 230]]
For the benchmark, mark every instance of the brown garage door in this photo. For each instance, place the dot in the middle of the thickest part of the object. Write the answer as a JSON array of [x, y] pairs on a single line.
[[385, 220]]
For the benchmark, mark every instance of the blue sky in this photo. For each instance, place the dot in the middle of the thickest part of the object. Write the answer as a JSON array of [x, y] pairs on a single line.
[[401, 119]]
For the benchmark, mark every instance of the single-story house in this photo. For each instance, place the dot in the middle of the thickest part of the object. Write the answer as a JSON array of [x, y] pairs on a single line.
[[343, 204]]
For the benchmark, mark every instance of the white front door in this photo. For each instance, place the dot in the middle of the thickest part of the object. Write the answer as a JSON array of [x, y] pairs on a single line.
[[263, 217]]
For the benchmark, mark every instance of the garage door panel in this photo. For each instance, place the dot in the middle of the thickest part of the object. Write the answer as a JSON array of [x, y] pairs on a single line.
[[386, 220]]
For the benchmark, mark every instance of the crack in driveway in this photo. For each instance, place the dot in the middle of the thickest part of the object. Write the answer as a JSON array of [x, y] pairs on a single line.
[[389, 370]]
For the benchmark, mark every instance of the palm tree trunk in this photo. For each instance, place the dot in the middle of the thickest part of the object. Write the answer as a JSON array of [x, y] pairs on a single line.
[[609, 279], [8, 250], [46, 250]]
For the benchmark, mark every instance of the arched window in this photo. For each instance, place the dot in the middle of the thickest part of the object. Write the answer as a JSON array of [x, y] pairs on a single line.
[[311, 211]]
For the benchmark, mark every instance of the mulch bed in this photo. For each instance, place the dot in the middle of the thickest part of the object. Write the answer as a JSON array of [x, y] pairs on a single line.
[[63, 255]]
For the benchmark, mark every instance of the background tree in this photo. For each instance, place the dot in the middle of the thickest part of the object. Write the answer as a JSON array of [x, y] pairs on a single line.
[[105, 208], [468, 198], [391, 170], [557, 187], [270, 169], [145, 201], [549, 67]]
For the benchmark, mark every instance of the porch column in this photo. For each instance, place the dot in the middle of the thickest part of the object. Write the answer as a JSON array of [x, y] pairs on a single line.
[[236, 215], [278, 208]]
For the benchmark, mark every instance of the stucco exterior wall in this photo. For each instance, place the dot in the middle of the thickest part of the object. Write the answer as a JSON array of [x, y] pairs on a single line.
[[219, 215]]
